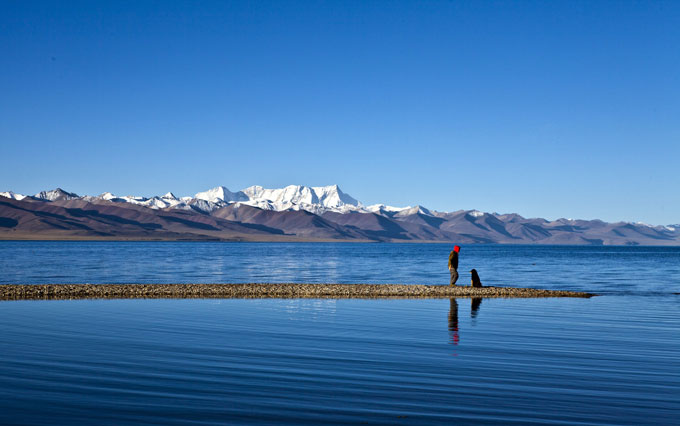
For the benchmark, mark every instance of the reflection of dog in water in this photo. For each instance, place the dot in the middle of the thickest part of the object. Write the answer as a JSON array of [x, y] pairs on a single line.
[[476, 282]]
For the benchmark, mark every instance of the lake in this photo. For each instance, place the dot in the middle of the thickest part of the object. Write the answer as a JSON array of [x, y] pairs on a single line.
[[611, 359]]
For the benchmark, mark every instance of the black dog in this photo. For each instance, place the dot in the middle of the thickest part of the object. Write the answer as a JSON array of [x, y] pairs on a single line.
[[476, 282]]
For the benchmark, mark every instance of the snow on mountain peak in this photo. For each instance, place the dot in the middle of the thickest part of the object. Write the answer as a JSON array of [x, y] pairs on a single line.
[[253, 191], [221, 193], [107, 196], [414, 210], [55, 194], [382, 208], [12, 195], [291, 194], [316, 199], [332, 196]]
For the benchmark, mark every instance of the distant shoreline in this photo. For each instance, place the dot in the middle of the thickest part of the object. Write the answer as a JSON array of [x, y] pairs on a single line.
[[294, 239], [257, 291]]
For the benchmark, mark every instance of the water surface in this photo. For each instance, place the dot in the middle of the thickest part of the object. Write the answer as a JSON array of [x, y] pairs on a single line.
[[607, 360], [606, 270]]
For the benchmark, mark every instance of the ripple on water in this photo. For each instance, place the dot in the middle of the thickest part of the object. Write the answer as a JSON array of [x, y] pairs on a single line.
[[606, 360]]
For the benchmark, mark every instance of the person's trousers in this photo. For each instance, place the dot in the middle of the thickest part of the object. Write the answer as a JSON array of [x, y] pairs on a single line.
[[454, 276]]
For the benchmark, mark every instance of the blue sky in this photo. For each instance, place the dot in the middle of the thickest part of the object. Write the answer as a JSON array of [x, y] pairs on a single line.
[[548, 109]]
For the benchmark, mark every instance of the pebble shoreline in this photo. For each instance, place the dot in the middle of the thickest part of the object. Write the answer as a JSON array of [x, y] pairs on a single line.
[[259, 291]]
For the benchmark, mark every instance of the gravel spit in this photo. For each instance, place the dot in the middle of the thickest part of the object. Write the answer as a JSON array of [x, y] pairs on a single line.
[[261, 291]]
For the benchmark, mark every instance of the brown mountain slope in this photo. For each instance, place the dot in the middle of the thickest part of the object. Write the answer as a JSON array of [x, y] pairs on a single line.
[[292, 222], [92, 218], [78, 218]]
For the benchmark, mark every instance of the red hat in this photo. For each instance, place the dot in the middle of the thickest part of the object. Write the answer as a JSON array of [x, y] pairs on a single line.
[[456, 249]]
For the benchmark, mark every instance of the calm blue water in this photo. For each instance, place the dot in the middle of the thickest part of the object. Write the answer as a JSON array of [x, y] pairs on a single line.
[[605, 270], [612, 359]]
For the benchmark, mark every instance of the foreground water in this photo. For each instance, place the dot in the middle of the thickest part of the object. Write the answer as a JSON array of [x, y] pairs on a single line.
[[612, 359]]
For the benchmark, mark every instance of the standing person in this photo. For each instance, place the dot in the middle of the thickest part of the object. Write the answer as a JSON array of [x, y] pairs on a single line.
[[453, 265]]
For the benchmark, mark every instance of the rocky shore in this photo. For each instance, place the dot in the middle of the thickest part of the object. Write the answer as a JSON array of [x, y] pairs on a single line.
[[258, 291]]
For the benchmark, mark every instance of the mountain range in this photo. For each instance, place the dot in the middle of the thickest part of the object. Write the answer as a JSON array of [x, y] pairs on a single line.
[[293, 213]]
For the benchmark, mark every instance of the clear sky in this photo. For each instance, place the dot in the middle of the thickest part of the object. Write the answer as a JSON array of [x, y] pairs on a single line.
[[547, 109]]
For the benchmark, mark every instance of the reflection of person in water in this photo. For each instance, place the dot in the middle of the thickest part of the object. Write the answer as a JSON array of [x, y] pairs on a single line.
[[476, 302], [453, 322]]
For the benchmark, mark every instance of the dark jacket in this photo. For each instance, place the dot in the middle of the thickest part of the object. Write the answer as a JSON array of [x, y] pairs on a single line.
[[453, 260]]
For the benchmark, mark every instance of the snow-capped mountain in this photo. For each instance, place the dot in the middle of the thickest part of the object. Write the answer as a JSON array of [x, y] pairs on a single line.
[[317, 199], [221, 194], [55, 195], [382, 207], [413, 210], [294, 212], [166, 201], [297, 211], [12, 195]]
